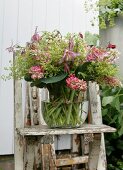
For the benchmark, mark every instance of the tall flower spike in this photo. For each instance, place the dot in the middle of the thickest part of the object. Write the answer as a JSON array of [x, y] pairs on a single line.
[[36, 37], [71, 44]]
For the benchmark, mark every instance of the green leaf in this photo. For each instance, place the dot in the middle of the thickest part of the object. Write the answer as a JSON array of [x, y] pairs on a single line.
[[27, 77], [54, 79], [107, 100], [120, 131], [116, 103], [104, 112], [120, 144]]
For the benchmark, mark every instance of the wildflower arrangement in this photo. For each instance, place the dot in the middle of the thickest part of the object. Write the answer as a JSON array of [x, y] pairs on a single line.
[[64, 65]]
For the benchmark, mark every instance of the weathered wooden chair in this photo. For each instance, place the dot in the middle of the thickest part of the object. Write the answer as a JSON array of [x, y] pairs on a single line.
[[37, 147]]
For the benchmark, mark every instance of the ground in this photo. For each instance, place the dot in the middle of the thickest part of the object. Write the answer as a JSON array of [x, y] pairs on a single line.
[[7, 162]]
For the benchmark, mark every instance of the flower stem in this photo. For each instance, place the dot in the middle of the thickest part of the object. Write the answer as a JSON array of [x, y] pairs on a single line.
[[70, 106]]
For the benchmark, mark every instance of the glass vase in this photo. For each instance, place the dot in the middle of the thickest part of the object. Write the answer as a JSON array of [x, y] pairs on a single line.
[[59, 114]]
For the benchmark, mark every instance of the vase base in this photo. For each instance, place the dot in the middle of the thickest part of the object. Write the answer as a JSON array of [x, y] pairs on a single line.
[[64, 127]]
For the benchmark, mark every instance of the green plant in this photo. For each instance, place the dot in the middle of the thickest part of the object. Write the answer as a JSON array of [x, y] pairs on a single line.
[[91, 39], [51, 58], [112, 110], [108, 11]]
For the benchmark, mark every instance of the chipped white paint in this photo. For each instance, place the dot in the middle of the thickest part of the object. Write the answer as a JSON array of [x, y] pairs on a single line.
[[38, 153], [97, 159], [18, 123], [86, 128], [72, 161]]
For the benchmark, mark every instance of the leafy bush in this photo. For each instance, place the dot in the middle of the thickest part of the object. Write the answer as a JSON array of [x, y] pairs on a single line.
[[112, 110], [108, 11]]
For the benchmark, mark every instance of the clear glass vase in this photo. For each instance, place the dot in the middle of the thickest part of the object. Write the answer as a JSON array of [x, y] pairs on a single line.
[[64, 107], [60, 114]]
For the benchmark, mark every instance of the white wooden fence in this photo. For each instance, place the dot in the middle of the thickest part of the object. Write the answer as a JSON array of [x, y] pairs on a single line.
[[18, 19]]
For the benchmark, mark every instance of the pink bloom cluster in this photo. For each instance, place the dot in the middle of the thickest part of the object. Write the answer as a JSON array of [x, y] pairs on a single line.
[[95, 54], [112, 81], [114, 55], [75, 83], [36, 72]]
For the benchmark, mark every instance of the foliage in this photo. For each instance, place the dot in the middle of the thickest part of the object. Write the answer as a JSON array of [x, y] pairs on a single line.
[[91, 39], [63, 65], [112, 110], [51, 58], [108, 11]]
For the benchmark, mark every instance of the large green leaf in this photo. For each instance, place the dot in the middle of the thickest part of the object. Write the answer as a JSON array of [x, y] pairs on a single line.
[[107, 100], [116, 103], [54, 79]]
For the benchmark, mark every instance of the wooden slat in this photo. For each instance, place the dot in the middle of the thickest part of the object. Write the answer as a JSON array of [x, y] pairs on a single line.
[[18, 122], [75, 143], [45, 157], [34, 104], [71, 161], [94, 152], [52, 156], [30, 153], [37, 155], [97, 153], [43, 130], [27, 116]]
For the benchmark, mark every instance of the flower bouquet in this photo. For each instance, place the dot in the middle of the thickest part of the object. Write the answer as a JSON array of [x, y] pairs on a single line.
[[64, 65]]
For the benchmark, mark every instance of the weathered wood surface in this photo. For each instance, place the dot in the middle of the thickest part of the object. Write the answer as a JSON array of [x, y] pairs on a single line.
[[32, 145], [71, 161], [43, 130], [35, 146], [18, 123], [97, 154]]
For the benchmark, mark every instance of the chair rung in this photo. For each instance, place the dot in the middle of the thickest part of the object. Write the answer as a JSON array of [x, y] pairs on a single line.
[[71, 161]]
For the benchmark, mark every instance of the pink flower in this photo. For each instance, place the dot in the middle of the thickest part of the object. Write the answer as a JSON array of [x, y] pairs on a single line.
[[36, 72], [91, 57], [112, 81], [35, 69], [36, 37], [75, 83], [95, 54], [111, 46], [69, 55]]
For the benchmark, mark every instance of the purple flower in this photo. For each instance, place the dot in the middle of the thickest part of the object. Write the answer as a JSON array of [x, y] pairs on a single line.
[[36, 37], [71, 44], [69, 55], [81, 35]]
